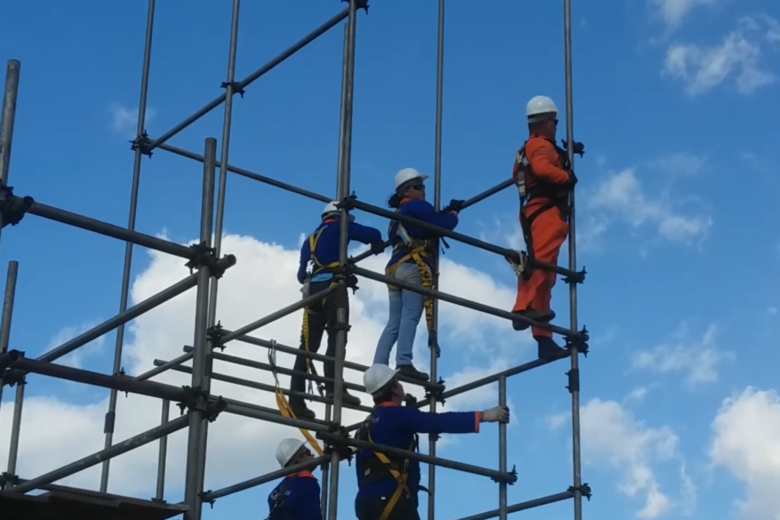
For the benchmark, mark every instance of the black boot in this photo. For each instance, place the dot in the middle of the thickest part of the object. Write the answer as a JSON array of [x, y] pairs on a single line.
[[346, 397], [548, 349], [410, 371], [299, 408], [531, 314]]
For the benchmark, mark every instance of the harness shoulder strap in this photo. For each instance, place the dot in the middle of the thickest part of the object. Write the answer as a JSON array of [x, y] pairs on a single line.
[[314, 238]]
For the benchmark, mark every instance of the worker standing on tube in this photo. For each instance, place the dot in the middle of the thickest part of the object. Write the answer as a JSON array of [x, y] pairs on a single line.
[[414, 250], [321, 248], [297, 497], [544, 179], [388, 486]]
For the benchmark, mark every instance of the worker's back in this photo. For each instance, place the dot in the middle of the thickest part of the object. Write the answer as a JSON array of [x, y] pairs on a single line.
[[420, 210], [297, 497]]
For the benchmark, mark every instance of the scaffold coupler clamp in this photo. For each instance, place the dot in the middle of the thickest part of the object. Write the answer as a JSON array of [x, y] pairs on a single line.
[[344, 272], [13, 208], [142, 143], [122, 373], [8, 478], [577, 277], [215, 334], [235, 85], [203, 255], [209, 501], [584, 490], [436, 393], [520, 263], [360, 4], [579, 341], [510, 479]]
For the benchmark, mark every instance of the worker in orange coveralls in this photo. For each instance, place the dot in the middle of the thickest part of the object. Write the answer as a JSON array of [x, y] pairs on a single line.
[[544, 180]]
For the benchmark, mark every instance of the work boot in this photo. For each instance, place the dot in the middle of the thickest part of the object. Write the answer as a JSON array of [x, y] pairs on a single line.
[[548, 349], [410, 371], [300, 409], [531, 314], [346, 397]]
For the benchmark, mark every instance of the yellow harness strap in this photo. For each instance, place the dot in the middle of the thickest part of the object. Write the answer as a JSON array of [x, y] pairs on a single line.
[[284, 406], [416, 254], [400, 477]]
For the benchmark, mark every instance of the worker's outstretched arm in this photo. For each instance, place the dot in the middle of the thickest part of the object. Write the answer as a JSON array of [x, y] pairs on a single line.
[[541, 156], [423, 210], [364, 234], [303, 261], [418, 421]]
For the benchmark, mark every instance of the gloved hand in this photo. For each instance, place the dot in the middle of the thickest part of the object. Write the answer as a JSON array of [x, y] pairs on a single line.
[[579, 148], [454, 205], [496, 414], [377, 247]]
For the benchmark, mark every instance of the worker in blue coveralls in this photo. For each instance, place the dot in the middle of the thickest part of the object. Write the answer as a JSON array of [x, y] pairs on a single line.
[[414, 251], [297, 497], [388, 486], [321, 248]]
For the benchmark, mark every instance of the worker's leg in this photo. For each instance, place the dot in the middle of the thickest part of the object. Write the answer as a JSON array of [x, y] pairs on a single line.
[[316, 327], [556, 230], [411, 312], [390, 334], [548, 231], [370, 508], [331, 313]]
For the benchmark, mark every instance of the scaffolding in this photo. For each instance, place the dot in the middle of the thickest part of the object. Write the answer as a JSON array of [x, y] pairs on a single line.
[[209, 264]]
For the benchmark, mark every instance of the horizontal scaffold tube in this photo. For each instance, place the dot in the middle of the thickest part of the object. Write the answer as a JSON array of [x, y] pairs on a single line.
[[341, 440], [506, 253], [434, 387], [523, 506], [236, 360], [456, 300], [262, 386]]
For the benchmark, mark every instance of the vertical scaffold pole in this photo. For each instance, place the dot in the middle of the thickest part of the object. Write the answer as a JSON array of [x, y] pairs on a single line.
[[7, 118], [342, 190], [502, 505], [218, 221], [574, 376], [110, 419], [199, 357], [434, 346], [162, 454], [8, 310]]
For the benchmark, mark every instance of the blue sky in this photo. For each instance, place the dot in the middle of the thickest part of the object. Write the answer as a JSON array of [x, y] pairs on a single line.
[[675, 101]]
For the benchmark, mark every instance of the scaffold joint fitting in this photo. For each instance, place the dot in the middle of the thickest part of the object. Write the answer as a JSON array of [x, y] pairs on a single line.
[[13, 208], [214, 335], [8, 478], [203, 255], [578, 277], [347, 202], [209, 501], [360, 4], [142, 143], [436, 394], [584, 490], [236, 87]]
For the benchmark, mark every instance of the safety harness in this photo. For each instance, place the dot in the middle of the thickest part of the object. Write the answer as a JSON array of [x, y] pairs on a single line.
[[279, 501], [380, 467], [554, 195], [417, 250]]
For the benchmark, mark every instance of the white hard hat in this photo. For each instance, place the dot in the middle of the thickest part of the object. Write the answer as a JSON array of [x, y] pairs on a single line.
[[287, 449], [540, 105], [330, 207], [406, 175], [377, 377]]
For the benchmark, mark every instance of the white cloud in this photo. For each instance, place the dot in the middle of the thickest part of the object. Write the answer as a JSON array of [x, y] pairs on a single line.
[[621, 196], [613, 439], [680, 163], [125, 120], [75, 358], [746, 442], [673, 11], [262, 282], [703, 67], [637, 394], [697, 358]]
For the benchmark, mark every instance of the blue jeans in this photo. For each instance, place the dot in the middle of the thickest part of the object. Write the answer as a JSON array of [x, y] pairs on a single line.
[[406, 308]]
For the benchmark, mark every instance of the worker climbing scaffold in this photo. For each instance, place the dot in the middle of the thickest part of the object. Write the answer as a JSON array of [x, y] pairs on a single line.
[[544, 179], [321, 249]]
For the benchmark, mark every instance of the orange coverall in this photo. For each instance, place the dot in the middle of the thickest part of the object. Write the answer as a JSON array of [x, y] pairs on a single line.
[[548, 229]]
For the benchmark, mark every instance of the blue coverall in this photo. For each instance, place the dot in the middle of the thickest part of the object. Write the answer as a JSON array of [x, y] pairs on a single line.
[[421, 210], [394, 425], [298, 496]]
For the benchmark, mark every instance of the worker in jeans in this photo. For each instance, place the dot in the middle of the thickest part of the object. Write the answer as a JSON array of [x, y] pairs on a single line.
[[414, 250]]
